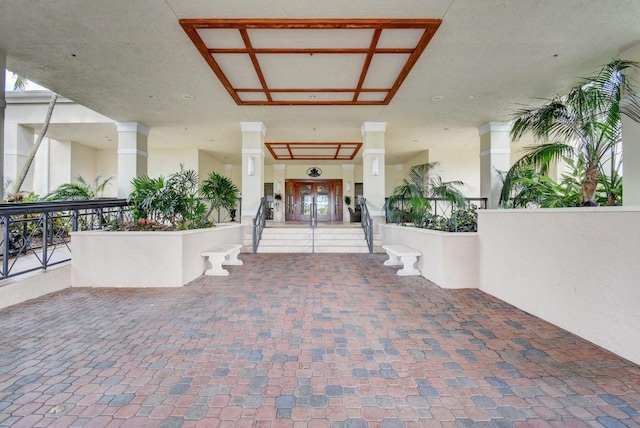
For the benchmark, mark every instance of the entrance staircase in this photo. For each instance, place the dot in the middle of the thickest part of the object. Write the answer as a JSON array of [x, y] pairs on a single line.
[[325, 238]]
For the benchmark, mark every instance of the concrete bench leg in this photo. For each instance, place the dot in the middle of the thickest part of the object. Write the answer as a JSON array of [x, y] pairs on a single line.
[[233, 259], [408, 266], [216, 265], [393, 261]]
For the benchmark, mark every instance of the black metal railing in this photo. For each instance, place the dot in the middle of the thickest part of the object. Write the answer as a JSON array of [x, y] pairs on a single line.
[[36, 236], [259, 222], [438, 207], [367, 225]]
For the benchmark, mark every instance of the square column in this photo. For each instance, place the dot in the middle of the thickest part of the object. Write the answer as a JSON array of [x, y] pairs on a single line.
[[348, 189], [252, 169], [132, 154], [495, 155], [3, 106], [18, 143], [373, 172], [279, 187], [631, 140]]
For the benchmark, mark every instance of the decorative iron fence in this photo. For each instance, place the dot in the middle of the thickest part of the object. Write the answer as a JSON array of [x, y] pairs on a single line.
[[440, 212], [36, 235]]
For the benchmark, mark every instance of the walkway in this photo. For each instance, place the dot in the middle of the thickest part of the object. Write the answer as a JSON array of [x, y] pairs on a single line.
[[302, 340]]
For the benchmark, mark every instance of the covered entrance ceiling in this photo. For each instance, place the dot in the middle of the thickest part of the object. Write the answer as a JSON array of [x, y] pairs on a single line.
[[311, 61]]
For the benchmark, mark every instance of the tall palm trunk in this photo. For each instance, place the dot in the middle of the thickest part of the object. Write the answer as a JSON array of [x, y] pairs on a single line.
[[32, 153], [589, 184]]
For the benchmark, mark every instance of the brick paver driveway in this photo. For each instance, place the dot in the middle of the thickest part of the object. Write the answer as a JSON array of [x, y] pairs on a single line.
[[302, 340]]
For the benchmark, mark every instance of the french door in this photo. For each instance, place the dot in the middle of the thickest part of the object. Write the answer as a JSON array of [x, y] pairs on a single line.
[[303, 198]]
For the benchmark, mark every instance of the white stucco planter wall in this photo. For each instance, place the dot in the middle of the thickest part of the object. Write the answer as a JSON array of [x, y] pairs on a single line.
[[144, 259], [448, 259], [577, 268], [35, 284]]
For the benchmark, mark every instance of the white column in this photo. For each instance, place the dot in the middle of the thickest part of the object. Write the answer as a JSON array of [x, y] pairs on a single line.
[[3, 106], [279, 187], [132, 154], [348, 189], [631, 141], [18, 142], [495, 155], [252, 168], [373, 172]]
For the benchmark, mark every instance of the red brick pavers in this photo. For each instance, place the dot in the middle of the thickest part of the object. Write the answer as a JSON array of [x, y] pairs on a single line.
[[302, 340]]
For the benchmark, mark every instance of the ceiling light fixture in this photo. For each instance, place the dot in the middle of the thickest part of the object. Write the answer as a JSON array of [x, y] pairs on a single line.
[[437, 98]]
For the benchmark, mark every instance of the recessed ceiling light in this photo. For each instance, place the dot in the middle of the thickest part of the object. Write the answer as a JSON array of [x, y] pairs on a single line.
[[471, 97], [153, 97], [312, 97], [437, 98], [187, 97]]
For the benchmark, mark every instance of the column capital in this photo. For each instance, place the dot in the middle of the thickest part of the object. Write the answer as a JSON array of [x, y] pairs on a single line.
[[132, 127], [348, 166], [494, 127], [373, 127], [253, 127], [373, 152], [279, 166]]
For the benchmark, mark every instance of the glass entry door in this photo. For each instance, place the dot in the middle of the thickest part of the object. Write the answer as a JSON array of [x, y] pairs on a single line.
[[302, 197]]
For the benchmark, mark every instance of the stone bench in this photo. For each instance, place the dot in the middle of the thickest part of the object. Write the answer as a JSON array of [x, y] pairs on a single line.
[[401, 255], [224, 254]]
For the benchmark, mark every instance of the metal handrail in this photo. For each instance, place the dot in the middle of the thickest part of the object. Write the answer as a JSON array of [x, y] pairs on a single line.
[[34, 232], [367, 225], [259, 221], [439, 207]]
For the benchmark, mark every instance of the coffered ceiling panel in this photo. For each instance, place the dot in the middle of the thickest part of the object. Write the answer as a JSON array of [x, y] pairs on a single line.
[[311, 61]]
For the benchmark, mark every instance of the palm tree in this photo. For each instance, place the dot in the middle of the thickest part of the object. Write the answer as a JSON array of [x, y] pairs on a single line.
[[20, 85], [220, 191], [585, 125], [80, 190], [416, 191]]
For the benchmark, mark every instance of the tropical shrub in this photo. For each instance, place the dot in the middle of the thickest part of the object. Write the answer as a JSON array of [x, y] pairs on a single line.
[[80, 190], [219, 191], [410, 202], [172, 202], [585, 126]]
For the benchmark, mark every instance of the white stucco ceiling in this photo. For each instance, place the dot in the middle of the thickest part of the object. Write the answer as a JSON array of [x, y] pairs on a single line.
[[131, 61]]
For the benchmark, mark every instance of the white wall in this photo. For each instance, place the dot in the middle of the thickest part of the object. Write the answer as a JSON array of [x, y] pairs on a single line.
[[576, 268], [132, 259], [107, 162], [165, 161], [83, 162], [462, 164], [448, 259]]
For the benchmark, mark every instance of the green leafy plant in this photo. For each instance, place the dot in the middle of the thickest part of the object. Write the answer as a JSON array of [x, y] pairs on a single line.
[[80, 190], [585, 125], [172, 201], [347, 200], [220, 192], [409, 202]]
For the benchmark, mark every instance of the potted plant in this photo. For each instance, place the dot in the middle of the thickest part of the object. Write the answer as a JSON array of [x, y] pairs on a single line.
[[220, 192], [277, 216], [347, 200]]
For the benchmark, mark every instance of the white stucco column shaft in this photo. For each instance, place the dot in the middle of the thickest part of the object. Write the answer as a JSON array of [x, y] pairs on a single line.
[[132, 154], [631, 141], [495, 153], [3, 106], [252, 168], [279, 177], [348, 189], [18, 142], [373, 171]]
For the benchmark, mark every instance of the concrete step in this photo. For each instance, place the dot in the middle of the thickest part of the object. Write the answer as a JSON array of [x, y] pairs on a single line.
[[321, 240]]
